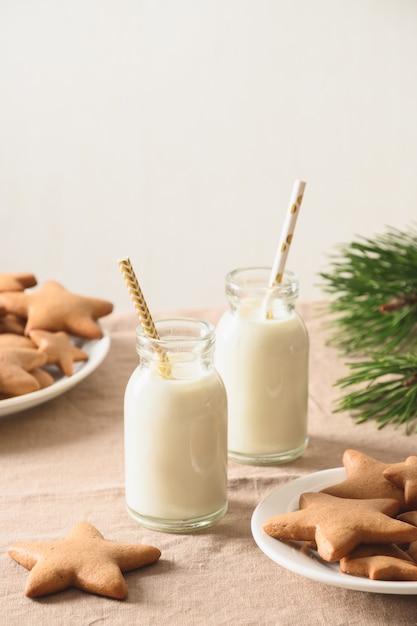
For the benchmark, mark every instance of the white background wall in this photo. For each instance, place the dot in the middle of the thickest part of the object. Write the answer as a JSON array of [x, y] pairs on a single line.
[[171, 131]]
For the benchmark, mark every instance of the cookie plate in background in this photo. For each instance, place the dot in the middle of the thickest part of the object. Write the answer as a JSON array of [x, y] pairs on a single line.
[[294, 556], [96, 349]]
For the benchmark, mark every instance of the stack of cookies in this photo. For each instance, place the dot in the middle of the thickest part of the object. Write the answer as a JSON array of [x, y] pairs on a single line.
[[368, 522], [37, 329]]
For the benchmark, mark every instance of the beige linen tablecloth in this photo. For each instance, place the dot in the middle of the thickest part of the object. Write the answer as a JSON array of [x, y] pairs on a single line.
[[62, 462]]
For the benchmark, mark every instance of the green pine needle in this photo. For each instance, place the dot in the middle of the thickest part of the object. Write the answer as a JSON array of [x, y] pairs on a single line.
[[385, 390], [366, 276], [373, 289]]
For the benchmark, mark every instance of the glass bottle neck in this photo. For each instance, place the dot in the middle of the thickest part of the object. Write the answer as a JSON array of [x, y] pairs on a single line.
[[248, 290], [183, 349]]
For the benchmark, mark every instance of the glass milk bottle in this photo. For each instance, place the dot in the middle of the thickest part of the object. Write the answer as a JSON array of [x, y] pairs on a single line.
[[262, 351], [176, 430]]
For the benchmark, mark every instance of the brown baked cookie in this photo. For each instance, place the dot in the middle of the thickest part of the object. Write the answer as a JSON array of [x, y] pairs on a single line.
[[44, 378], [15, 367], [365, 479], [84, 560], [412, 551], [404, 476], [58, 348], [10, 323], [379, 562], [54, 308], [17, 281], [12, 340], [409, 516], [338, 525]]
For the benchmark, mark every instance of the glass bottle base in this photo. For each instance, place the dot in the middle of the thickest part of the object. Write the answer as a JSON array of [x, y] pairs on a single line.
[[275, 458], [178, 525]]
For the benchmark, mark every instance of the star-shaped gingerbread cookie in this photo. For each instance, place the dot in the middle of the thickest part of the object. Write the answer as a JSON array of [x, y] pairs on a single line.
[[404, 476], [412, 551], [411, 518], [58, 348], [11, 340], [16, 365], [338, 525], [379, 562], [54, 308], [16, 281], [10, 323], [84, 559], [365, 479], [44, 378]]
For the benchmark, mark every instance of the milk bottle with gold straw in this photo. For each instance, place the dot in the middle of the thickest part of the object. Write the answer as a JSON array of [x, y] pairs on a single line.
[[175, 421], [262, 355]]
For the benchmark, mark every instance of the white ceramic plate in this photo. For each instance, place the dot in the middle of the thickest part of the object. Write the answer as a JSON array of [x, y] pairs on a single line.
[[294, 556], [96, 349]]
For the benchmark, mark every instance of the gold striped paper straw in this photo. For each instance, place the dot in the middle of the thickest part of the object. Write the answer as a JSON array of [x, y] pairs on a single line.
[[142, 310], [287, 233]]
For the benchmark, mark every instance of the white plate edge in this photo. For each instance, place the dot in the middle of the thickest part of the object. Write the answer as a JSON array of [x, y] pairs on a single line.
[[97, 353]]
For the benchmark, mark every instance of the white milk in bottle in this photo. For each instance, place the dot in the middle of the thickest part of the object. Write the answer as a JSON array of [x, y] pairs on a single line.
[[262, 352], [176, 430]]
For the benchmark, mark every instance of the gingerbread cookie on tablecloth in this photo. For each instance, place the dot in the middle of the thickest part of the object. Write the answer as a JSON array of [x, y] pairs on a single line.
[[84, 559]]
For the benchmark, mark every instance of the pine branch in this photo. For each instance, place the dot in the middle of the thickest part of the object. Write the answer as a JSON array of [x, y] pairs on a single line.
[[373, 284], [387, 390]]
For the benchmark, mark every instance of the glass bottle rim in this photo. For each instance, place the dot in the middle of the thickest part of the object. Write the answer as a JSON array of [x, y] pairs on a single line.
[[172, 333], [257, 278]]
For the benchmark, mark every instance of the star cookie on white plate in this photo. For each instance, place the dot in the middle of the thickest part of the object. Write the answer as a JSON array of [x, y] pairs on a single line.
[[58, 348], [54, 308]]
